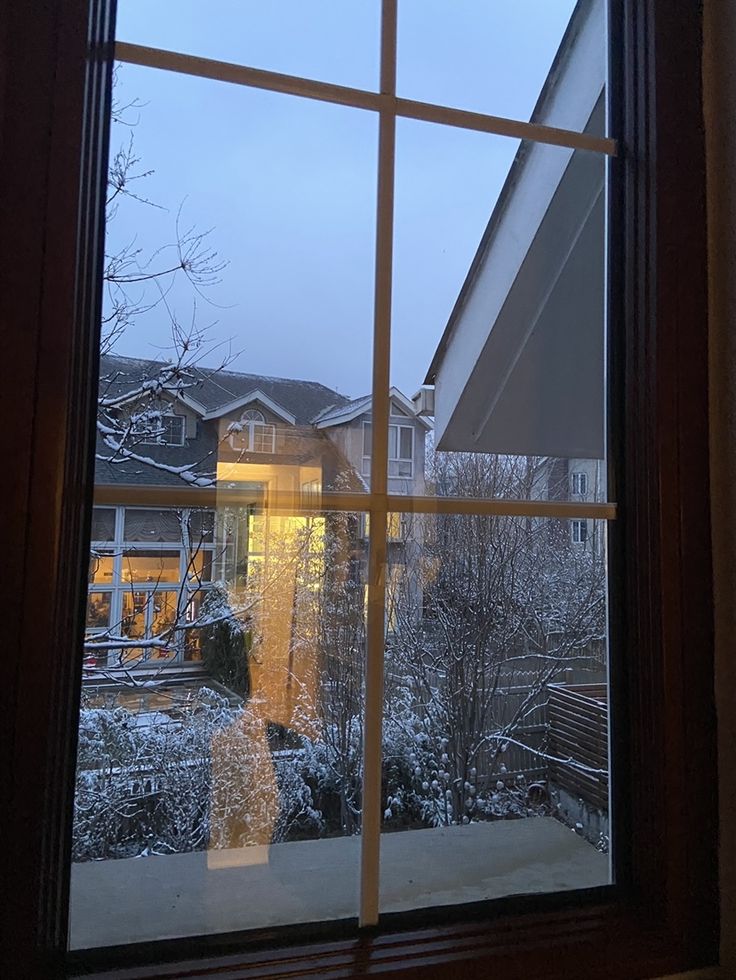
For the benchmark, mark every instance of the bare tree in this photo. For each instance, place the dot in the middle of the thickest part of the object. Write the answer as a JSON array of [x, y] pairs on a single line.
[[507, 604], [136, 281]]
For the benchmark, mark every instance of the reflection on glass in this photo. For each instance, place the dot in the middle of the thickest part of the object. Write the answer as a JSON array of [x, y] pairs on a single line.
[[538, 60], [495, 709], [250, 759], [328, 40], [222, 722]]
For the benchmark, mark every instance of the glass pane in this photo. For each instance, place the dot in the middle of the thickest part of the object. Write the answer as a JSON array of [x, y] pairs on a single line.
[[133, 623], [246, 782], [151, 567], [152, 525], [538, 60], [98, 610], [200, 566], [328, 40], [277, 297], [103, 524], [405, 443], [499, 314], [164, 618], [201, 526], [495, 736], [101, 568]]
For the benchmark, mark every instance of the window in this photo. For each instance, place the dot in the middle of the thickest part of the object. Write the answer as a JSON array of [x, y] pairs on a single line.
[[579, 532], [397, 527], [645, 942], [400, 450], [170, 431], [580, 484], [148, 572], [252, 433]]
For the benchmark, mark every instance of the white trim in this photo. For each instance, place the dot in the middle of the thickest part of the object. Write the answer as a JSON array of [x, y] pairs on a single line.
[[346, 414], [253, 396], [189, 402], [354, 410]]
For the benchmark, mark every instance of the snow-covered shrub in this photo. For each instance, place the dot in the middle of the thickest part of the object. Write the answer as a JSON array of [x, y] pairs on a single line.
[[201, 777]]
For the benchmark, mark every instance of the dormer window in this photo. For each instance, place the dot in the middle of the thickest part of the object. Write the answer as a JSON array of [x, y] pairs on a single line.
[[252, 433], [167, 430]]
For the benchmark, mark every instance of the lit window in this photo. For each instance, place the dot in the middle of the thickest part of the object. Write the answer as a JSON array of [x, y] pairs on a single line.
[[157, 562], [252, 433]]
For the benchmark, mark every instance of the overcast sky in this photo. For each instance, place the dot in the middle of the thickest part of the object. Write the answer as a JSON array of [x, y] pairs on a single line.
[[288, 185]]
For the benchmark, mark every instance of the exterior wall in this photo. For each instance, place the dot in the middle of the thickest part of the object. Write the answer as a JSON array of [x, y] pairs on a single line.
[[349, 439]]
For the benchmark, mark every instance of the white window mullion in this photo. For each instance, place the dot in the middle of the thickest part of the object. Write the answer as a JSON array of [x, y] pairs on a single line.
[[375, 626]]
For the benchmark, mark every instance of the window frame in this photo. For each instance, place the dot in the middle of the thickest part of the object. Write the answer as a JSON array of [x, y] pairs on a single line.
[[579, 531], [661, 916], [251, 426], [397, 427], [121, 587], [579, 483], [161, 440]]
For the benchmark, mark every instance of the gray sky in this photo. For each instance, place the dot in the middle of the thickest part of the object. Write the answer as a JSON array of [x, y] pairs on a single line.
[[288, 185]]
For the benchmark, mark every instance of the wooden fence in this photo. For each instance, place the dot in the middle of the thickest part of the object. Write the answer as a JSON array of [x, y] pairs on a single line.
[[578, 731]]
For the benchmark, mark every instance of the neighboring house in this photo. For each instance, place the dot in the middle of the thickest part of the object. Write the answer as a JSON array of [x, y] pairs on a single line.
[[219, 473]]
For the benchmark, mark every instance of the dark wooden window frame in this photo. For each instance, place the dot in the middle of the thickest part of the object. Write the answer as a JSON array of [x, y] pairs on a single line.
[[661, 916]]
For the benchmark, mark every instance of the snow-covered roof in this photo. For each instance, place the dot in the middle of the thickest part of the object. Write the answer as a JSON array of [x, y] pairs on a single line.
[[342, 414], [214, 391]]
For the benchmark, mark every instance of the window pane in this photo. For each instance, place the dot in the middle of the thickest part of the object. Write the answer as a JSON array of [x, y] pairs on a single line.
[[199, 565], [173, 427], [288, 191], [201, 526], [495, 737], [255, 768], [498, 58], [151, 567], [101, 568], [164, 619], [135, 605], [405, 447], [103, 524], [152, 525], [499, 310], [329, 40], [98, 610]]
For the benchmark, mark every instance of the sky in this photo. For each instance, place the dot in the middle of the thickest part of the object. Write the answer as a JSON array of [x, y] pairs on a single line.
[[286, 187]]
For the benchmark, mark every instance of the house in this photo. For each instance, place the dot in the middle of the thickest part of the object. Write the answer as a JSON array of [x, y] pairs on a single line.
[[210, 475]]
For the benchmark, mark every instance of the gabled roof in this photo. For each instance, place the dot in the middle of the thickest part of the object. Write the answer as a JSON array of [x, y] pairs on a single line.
[[214, 392], [341, 414], [253, 396]]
